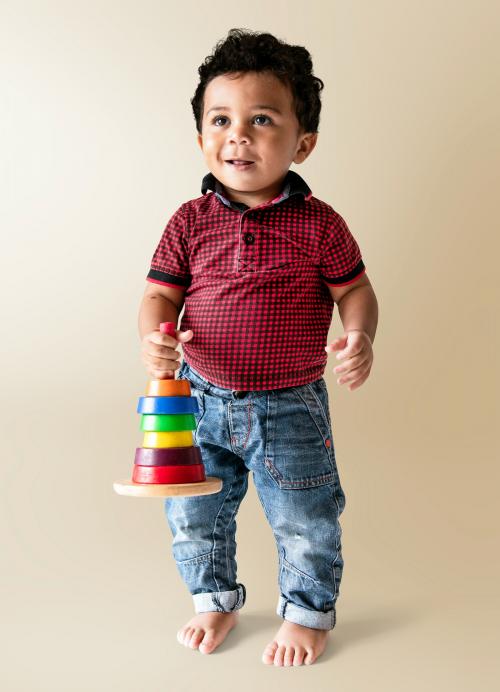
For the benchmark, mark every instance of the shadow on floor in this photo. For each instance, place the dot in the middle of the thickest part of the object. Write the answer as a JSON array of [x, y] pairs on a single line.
[[347, 633]]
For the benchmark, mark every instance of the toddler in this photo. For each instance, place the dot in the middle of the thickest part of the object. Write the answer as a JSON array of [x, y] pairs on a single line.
[[258, 263]]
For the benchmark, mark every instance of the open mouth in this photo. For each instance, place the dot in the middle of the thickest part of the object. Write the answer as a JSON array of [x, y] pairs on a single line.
[[240, 163]]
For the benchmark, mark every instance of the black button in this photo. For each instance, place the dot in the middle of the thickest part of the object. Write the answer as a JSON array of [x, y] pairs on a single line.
[[239, 394], [249, 238]]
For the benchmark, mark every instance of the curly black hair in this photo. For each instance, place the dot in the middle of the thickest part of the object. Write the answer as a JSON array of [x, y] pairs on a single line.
[[251, 51]]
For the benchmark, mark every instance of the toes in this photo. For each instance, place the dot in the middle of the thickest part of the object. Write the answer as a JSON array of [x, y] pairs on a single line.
[[299, 656], [196, 637], [309, 657], [279, 655], [208, 643], [187, 635], [288, 657], [269, 651], [184, 634]]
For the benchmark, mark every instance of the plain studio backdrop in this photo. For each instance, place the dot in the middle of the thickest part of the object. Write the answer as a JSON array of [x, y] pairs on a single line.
[[98, 150]]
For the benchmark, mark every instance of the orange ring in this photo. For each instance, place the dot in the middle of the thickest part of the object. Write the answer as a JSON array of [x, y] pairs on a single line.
[[168, 388]]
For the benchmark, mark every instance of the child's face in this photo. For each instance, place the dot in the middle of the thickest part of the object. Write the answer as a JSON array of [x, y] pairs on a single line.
[[245, 129]]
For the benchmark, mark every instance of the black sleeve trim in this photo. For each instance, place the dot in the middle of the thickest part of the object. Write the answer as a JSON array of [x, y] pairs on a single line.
[[347, 278], [163, 277]]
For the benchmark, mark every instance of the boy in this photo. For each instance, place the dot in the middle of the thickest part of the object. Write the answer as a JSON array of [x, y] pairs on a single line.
[[258, 264]]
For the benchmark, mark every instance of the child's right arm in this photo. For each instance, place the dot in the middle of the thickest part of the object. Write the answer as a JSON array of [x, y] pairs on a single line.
[[160, 304]]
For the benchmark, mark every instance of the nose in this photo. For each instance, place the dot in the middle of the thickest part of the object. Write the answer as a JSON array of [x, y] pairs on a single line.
[[239, 133]]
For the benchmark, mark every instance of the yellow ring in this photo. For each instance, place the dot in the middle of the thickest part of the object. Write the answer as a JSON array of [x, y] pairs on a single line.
[[178, 438]]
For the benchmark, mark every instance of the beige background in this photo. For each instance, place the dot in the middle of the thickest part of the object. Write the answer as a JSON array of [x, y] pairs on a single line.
[[98, 150]]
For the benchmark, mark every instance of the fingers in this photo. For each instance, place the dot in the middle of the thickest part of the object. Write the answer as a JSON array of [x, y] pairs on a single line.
[[358, 383], [338, 343], [161, 364], [159, 354], [156, 337], [356, 376], [184, 336], [350, 364], [162, 374], [350, 344]]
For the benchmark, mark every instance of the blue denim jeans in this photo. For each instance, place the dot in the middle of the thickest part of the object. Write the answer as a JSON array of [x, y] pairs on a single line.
[[284, 437]]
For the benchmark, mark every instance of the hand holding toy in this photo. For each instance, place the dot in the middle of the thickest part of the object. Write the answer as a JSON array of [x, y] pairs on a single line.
[[168, 463]]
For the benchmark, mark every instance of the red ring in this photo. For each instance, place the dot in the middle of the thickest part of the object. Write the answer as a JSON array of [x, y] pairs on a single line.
[[192, 473]]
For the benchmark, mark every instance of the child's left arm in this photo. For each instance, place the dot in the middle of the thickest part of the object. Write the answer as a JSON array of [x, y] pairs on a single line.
[[358, 310]]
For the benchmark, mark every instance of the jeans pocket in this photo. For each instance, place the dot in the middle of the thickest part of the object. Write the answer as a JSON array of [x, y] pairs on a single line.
[[298, 435]]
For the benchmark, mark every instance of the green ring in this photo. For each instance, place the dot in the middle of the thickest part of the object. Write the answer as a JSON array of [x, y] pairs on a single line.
[[168, 422]]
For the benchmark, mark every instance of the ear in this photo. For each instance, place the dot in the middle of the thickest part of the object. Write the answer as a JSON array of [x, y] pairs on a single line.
[[199, 139], [306, 144]]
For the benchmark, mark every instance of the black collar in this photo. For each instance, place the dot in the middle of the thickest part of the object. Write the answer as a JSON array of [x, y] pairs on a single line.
[[293, 184]]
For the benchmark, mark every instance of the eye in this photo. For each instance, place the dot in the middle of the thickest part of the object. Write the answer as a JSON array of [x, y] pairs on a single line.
[[223, 117], [264, 116]]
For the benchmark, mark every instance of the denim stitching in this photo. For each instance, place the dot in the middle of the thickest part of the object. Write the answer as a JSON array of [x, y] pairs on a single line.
[[337, 546], [320, 404], [202, 410], [232, 438], [310, 413], [225, 533], [329, 432], [288, 565], [270, 399], [261, 498], [235, 445], [249, 411], [306, 482], [206, 557], [236, 505], [213, 534]]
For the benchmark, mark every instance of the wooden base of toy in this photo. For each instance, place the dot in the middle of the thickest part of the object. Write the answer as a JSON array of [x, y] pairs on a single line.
[[207, 487]]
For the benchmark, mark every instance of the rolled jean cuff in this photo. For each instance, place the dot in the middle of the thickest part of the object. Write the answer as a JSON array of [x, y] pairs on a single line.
[[220, 601], [303, 616]]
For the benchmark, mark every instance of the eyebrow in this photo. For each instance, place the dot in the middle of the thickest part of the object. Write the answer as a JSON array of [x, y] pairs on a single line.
[[225, 108]]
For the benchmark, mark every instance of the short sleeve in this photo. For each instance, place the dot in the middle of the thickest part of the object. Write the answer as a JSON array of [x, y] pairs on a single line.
[[340, 258], [170, 261]]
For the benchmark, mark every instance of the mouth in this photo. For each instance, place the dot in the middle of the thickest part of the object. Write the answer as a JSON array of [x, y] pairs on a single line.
[[240, 163]]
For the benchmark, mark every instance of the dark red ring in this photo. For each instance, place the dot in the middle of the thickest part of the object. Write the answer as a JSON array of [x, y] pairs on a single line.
[[167, 456]]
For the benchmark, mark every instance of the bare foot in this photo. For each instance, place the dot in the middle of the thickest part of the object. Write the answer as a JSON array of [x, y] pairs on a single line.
[[294, 645], [205, 631]]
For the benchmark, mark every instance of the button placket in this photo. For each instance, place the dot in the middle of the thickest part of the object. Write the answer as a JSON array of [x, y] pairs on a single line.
[[246, 261]]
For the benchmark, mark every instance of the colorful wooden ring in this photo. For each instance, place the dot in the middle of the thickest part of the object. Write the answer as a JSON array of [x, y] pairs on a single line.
[[167, 456], [169, 474], [168, 439], [167, 404], [173, 422], [168, 388]]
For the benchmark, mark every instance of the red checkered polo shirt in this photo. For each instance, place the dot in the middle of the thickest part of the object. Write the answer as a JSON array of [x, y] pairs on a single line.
[[255, 282]]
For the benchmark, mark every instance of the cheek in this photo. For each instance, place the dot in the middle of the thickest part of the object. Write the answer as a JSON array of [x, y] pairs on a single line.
[[210, 145], [281, 142]]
